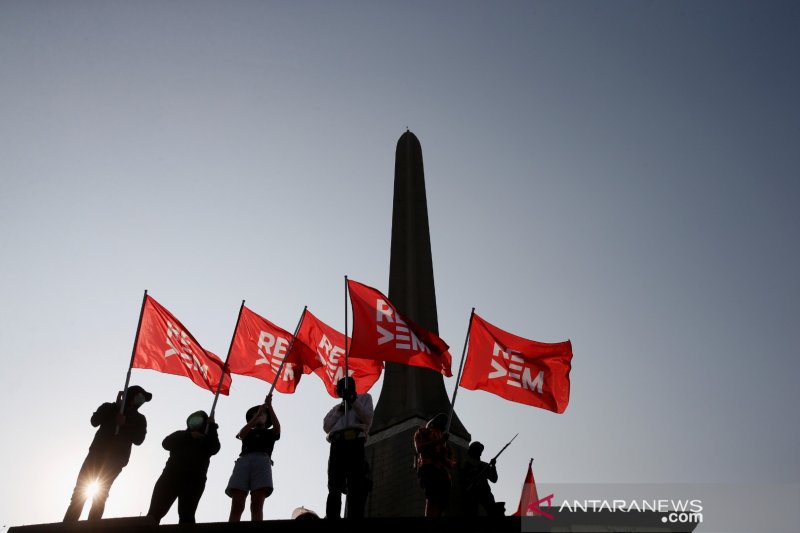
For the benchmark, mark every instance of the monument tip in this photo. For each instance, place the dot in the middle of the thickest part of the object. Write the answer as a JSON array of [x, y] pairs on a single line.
[[409, 138]]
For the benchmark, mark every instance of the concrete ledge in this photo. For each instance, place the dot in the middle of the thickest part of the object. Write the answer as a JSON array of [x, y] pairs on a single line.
[[562, 522]]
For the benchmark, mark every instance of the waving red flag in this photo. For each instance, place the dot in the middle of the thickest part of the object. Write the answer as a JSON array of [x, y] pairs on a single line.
[[380, 332], [167, 346], [322, 349], [259, 347], [517, 369]]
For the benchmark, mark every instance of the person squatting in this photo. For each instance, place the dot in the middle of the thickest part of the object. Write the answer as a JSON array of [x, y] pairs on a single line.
[[346, 426]]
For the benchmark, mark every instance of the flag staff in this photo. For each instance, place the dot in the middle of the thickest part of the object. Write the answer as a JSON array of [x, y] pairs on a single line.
[[346, 347], [225, 365], [288, 351], [460, 368], [130, 366], [346, 344]]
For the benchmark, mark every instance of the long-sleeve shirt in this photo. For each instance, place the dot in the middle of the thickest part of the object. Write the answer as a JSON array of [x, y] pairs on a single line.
[[117, 446], [190, 455], [359, 416]]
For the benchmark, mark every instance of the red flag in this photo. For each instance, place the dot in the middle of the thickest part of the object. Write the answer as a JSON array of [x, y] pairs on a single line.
[[167, 346], [322, 350], [517, 369], [529, 499], [259, 347], [380, 332]]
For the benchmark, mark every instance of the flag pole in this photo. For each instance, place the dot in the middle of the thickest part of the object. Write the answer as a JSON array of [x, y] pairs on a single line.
[[346, 346], [288, 351], [225, 365], [460, 368], [130, 365], [346, 370]]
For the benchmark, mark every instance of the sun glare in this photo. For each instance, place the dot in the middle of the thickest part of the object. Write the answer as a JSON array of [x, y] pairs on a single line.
[[91, 489]]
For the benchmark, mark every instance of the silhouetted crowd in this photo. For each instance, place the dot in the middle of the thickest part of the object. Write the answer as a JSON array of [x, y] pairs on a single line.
[[121, 425]]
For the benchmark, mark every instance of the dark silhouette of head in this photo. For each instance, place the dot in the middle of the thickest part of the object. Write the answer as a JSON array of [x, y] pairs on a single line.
[[251, 415], [197, 421], [439, 422], [136, 397], [346, 388], [475, 450]]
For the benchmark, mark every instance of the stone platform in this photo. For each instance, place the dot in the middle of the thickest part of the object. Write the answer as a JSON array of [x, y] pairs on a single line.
[[561, 522]]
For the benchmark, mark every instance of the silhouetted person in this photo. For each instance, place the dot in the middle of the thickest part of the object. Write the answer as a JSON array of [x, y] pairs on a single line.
[[347, 433], [475, 478], [434, 460], [184, 476], [109, 452], [253, 469]]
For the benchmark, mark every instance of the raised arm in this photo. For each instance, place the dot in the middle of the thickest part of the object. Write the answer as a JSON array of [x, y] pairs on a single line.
[[276, 425], [363, 409]]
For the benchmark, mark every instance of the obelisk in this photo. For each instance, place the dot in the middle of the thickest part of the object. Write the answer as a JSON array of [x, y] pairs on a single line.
[[410, 395]]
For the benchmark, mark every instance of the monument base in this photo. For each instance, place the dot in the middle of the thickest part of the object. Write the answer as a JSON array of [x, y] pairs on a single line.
[[561, 522]]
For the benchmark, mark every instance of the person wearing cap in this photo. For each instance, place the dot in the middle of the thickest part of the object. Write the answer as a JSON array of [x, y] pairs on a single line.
[[184, 476], [253, 469], [475, 478], [346, 426], [433, 461], [110, 450]]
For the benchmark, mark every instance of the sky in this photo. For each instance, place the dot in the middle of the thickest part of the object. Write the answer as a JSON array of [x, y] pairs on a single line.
[[620, 174]]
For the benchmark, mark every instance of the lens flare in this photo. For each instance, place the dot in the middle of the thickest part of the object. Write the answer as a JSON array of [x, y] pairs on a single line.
[[91, 489]]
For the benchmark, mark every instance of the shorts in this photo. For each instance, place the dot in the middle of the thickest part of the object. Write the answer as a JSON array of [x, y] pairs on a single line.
[[436, 482], [251, 472]]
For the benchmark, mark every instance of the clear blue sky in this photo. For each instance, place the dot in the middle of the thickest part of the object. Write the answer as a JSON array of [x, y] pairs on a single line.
[[622, 174]]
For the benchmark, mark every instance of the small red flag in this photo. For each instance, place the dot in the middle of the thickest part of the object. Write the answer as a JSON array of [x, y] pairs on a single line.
[[259, 347], [529, 499], [517, 369], [322, 350], [167, 346], [380, 332]]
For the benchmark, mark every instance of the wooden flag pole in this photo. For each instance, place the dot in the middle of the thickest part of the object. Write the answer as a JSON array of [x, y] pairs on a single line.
[[288, 351], [225, 365], [130, 365], [460, 368]]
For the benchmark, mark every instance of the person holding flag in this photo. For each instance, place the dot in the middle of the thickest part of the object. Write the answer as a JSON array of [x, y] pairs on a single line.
[[346, 426], [253, 469], [184, 476], [121, 425], [434, 459]]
